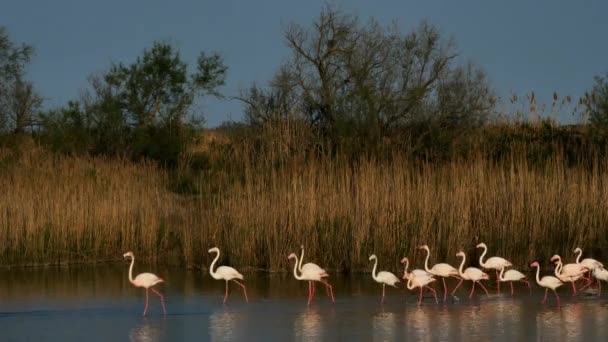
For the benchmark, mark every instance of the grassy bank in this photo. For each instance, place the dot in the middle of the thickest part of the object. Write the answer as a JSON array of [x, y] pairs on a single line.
[[58, 209]]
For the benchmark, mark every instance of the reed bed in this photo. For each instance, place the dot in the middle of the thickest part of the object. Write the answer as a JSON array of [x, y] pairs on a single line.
[[74, 209]]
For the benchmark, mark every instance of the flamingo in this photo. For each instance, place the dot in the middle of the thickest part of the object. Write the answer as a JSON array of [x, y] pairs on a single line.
[[511, 276], [311, 275], [569, 272], [415, 273], [473, 274], [145, 280], [495, 263], [590, 263], [442, 270], [422, 282], [383, 277], [548, 282], [226, 273], [310, 267], [600, 274]]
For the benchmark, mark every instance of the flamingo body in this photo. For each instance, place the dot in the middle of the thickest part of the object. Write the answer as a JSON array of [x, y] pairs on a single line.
[[415, 272], [600, 274], [422, 282], [513, 275], [473, 274], [495, 263], [312, 274], [441, 270], [548, 282], [383, 277], [227, 274]]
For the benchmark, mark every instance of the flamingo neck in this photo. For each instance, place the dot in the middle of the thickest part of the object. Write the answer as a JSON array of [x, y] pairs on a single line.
[[485, 250], [301, 258], [538, 275], [211, 271], [460, 272], [558, 268], [374, 270], [407, 265], [578, 257], [426, 261], [295, 270], [500, 276], [131, 270], [409, 284]]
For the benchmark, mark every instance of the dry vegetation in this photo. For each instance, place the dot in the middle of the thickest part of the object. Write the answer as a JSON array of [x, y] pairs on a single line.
[[73, 209]]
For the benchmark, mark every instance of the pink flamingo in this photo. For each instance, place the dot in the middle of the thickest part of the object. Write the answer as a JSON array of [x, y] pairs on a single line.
[[226, 273], [495, 263], [145, 280], [589, 263], [383, 277], [442, 270], [422, 282], [569, 272], [311, 275], [310, 267], [414, 273], [600, 274], [511, 276], [548, 282], [473, 274]]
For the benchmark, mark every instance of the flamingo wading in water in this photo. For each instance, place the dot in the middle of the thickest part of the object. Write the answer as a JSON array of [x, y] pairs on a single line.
[[422, 282], [495, 263], [415, 273], [226, 273], [311, 275], [600, 274], [145, 280], [473, 274], [548, 282], [511, 276], [310, 267], [383, 277], [442, 270], [569, 272], [590, 263]]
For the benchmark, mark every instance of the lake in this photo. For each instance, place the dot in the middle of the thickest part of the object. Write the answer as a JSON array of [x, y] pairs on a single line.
[[97, 303]]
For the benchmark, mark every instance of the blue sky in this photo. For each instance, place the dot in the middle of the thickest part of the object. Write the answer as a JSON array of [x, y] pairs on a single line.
[[538, 45]]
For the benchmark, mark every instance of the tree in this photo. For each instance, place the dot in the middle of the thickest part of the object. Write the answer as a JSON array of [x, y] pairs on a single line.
[[596, 102], [364, 80], [18, 99]]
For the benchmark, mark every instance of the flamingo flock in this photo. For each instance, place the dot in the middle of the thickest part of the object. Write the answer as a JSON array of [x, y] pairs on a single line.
[[421, 279]]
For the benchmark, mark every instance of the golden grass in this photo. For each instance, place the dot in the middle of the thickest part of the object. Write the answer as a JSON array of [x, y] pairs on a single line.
[[70, 209]]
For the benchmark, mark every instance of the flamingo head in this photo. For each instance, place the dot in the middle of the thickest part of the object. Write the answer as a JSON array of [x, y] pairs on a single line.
[[485, 276], [424, 247], [372, 257], [214, 250], [556, 259], [292, 256], [482, 245], [404, 260], [534, 264], [460, 254], [302, 246], [578, 250], [129, 254]]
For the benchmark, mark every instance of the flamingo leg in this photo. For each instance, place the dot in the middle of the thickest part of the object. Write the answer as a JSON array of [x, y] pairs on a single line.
[[599, 285], [162, 299], [528, 284], [420, 298], [457, 286], [472, 290], [226, 295], [244, 289], [331, 290], [545, 299], [497, 282], [557, 296], [434, 294], [326, 289], [484, 288], [309, 292], [511, 287], [445, 290], [146, 308], [383, 287], [573, 289]]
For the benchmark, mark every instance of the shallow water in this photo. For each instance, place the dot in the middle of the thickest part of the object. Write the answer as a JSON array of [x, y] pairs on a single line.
[[99, 304]]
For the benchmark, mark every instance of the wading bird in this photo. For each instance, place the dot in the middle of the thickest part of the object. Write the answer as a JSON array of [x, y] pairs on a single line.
[[310, 267], [226, 273], [511, 276], [590, 263], [548, 282], [310, 276], [442, 270], [473, 274], [600, 274], [145, 280], [569, 272], [422, 282], [383, 277], [494, 263], [416, 272]]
